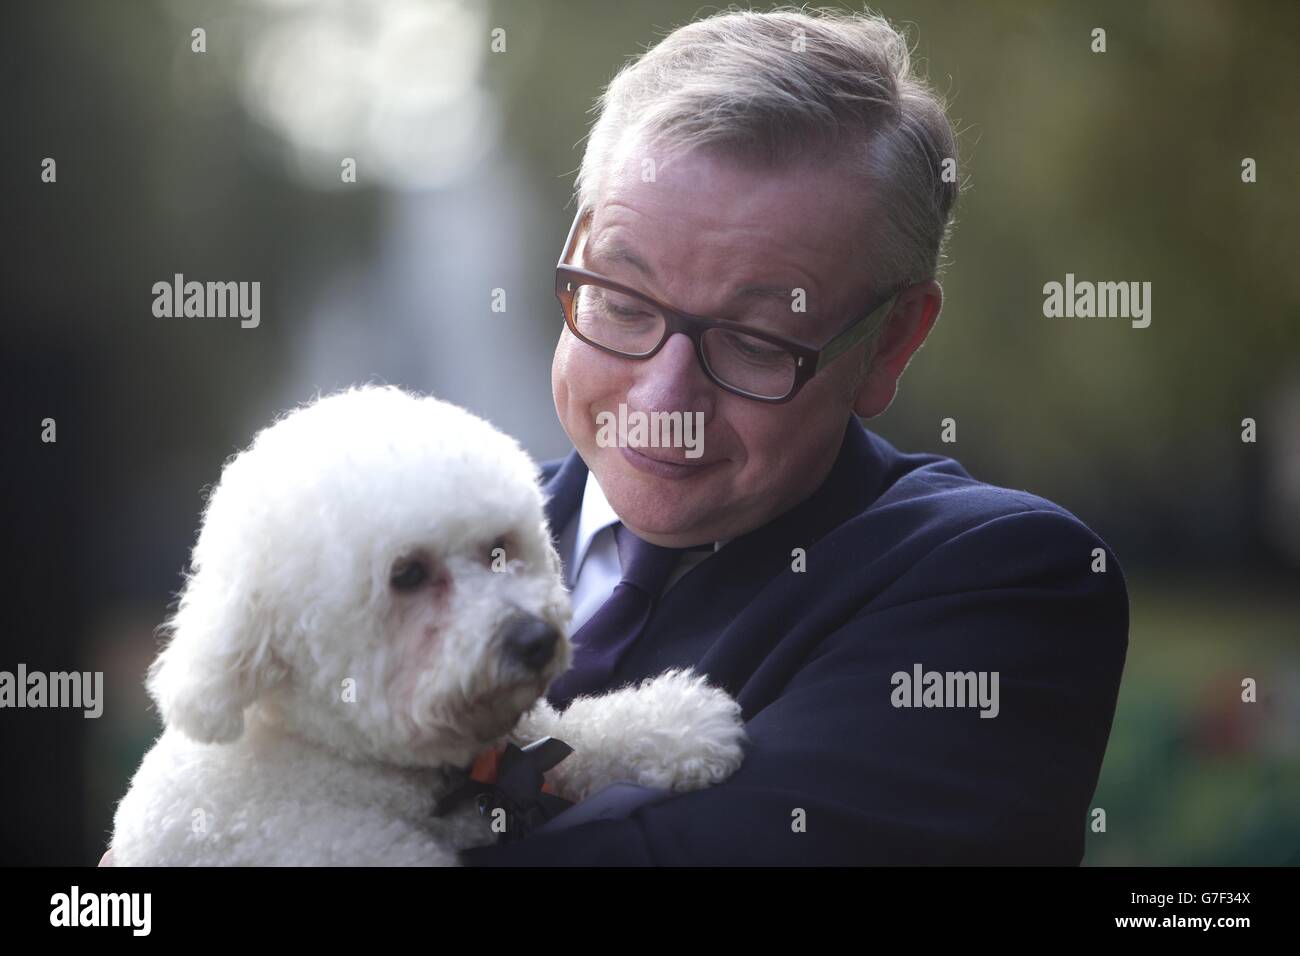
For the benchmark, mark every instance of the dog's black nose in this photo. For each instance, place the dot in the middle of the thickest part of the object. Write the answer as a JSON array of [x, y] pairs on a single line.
[[530, 641]]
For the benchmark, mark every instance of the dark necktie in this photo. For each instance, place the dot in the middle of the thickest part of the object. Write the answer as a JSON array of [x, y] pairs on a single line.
[[600, 643]]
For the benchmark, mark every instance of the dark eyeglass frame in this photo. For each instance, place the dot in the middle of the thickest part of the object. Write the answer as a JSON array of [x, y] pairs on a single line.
[[808, 360]]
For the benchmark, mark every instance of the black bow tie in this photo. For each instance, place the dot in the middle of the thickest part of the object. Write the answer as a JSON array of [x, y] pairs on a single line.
[[517, 789]]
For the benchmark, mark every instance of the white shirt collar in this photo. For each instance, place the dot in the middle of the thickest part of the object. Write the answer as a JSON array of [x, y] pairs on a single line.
[[596, 515]]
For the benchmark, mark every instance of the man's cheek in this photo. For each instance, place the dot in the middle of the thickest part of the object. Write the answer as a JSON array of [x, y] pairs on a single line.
[[588, 385], [572, 374]]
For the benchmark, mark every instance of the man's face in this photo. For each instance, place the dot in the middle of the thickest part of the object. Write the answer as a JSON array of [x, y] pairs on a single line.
[[697, 238]]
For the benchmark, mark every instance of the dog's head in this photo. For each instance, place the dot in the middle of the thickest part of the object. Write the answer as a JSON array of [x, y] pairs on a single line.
[[375, 573]]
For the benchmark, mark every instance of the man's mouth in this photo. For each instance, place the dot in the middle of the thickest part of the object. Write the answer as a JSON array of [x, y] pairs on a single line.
[[672, 469]]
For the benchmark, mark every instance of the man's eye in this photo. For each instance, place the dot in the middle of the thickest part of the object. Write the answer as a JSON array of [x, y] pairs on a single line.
[[409, 574], [754, 349]]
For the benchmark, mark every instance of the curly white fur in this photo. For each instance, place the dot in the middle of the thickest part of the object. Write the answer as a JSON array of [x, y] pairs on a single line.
[[317, 701], [671, 732]]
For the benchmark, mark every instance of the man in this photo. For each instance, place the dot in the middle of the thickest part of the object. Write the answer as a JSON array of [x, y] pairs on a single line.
[[927, 665]]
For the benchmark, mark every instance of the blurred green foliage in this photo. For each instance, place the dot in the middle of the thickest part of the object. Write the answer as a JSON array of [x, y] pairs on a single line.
[[1193, 775]]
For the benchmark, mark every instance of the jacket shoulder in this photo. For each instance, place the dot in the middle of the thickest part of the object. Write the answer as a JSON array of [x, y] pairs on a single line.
[[938, 522], [937, 494]]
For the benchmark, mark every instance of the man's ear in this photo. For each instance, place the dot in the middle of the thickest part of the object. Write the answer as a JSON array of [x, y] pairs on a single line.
[[217, 662], [914, 314]]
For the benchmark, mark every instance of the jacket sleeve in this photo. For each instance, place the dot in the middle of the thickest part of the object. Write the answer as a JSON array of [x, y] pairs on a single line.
[[836, 773]]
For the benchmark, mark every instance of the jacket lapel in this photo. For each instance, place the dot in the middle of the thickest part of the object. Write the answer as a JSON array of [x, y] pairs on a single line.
[[563, 481]]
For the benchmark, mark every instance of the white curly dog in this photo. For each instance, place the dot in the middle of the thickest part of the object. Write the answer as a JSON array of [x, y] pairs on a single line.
[[373, 601]]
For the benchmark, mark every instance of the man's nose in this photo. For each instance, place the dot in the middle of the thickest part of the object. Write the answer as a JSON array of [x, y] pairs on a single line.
[[672, 381], [529, 640]]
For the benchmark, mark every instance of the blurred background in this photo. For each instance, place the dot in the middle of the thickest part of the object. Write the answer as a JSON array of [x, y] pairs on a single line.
[[225, 165]]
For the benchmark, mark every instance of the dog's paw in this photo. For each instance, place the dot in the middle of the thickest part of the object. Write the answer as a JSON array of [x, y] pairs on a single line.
[[703, 725], [671, 732]]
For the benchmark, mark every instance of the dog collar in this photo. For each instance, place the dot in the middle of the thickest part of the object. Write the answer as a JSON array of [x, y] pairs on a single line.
[[512, 779]]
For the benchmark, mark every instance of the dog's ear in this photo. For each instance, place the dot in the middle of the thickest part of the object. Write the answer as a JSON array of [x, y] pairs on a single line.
[[217, 662]]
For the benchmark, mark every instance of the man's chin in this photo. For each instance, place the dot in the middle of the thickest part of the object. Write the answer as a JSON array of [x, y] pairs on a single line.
[[656, 523], [650, 505]]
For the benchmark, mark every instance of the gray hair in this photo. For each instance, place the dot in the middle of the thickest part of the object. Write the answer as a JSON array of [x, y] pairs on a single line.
[[769, 89]]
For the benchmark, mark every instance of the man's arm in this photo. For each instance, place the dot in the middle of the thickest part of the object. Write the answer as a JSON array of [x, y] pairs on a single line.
[[874, 783]]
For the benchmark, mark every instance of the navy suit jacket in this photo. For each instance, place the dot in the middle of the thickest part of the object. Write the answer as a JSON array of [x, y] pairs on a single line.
[[909, 561]]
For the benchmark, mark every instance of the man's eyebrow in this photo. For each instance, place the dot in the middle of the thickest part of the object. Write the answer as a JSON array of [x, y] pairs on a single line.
[[764, 292], [611, 251]]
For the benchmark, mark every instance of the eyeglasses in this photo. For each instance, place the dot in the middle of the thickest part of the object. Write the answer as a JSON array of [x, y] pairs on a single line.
[[751, 362]]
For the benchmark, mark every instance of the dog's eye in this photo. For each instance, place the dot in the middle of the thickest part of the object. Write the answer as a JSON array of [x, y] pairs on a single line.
[[409, 574], [503, 546]]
